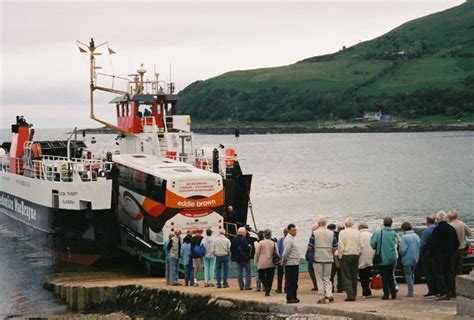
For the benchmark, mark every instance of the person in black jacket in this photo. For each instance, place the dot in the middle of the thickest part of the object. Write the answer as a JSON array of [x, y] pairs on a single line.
[[240, 252], [443, 245]]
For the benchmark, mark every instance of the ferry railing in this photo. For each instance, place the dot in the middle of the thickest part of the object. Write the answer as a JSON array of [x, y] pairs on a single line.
[[230, 229], [5, 164], [148, 121], [56, 168], [206, 163], [203, 163]]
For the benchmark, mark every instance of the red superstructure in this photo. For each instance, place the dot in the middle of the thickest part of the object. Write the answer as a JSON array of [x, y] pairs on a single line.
[[20, 135], [139, 110]]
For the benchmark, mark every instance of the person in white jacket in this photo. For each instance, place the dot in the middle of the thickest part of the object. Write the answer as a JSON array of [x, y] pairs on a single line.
[[365, 260], [323, 259], [349, 248], [222, 253]]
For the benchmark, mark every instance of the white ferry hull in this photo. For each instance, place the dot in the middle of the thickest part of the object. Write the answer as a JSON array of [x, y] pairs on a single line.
[[73, 220]]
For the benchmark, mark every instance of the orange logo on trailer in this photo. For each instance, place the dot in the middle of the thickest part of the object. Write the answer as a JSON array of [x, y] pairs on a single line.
[[175, 201], [149, 207], [153, 208]]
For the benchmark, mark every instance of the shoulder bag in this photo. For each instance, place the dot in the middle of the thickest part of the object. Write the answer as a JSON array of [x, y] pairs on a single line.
[[276, 257], [378, 254]]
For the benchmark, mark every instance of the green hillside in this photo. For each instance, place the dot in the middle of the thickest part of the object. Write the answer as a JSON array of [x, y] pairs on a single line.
[[423, 67]]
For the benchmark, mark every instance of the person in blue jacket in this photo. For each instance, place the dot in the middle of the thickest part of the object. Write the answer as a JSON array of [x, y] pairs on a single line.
[[240, 252], [280, 268], [167, 262], [410, 252], [383, 242], [427, 262], [311, 248], [187, 260]]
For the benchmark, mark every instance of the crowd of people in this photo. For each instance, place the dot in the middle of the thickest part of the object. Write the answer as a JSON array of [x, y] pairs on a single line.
[[351, 254]]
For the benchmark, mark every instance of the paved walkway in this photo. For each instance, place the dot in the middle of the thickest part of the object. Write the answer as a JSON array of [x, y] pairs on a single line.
[[372, 308]]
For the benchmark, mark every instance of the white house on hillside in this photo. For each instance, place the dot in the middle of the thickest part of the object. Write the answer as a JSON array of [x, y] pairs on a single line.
[[372, 116]]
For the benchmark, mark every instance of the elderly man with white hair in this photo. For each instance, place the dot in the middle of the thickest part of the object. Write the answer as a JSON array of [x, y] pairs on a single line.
[[443, 246], [463, 231], [222, 252], [240, 251], [310, 257], [323, 258], [349, 249]]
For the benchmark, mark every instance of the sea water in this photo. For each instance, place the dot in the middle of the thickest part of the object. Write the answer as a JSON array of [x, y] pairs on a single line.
[[296, 178]]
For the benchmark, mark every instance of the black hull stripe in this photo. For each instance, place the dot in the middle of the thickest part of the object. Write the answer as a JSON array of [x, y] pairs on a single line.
[[8, 214]]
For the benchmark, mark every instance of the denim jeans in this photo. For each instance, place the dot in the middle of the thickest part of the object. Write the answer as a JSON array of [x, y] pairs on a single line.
[[222, 266], [167, 271], [241, 268], [312, 275], [209, 269], [174, 270], [188, 274], [409, 272], [394, 275]]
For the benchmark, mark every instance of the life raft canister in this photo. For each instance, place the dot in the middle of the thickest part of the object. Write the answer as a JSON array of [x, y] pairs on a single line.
[[229, 154], [36, 151], [171, 154]]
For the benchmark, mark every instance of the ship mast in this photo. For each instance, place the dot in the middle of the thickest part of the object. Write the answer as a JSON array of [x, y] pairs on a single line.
[[92, 87]]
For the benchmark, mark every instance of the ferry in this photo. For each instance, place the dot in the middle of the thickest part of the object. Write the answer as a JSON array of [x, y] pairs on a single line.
[[55, 196], [84, 203]]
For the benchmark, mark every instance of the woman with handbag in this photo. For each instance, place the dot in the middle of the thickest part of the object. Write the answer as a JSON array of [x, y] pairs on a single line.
[[266, 258], [383, 242]]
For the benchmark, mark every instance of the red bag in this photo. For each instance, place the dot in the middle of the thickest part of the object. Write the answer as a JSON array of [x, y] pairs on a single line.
[[376, 283]]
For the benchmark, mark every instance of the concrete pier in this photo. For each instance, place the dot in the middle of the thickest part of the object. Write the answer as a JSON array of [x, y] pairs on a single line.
[[111, 292], [465, 295]]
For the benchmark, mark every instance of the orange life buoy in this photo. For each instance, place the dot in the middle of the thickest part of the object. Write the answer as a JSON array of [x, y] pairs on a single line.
[[36, 151]]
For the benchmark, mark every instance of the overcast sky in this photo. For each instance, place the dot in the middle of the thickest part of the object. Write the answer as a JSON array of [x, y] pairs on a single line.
[[44, 77]]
